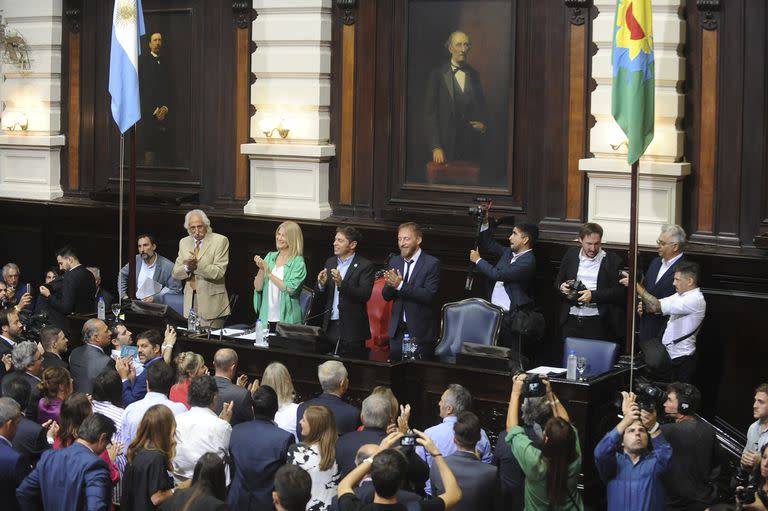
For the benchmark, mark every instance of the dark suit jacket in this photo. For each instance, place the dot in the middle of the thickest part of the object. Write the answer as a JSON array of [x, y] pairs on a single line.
[[30, 440], [651, 325], [347, 416], [53, 360], [366, 492], [77, 292], [610, 296], [258, 448], [349, 443], [31, 411], [417, 297], [354, 292], [5, 348], [67, 479], [85, 363], [13, 469], [477, 480], [204, 502], [242, 410], [135, 391], [518, 278], [445, 125]]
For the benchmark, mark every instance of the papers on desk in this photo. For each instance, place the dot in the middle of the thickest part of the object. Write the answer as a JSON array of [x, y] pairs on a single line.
[[235, 333], [148, 288], [546, 370]]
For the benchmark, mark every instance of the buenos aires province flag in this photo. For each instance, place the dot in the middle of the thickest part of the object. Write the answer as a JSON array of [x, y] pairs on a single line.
[[127, 28], [633, 91]]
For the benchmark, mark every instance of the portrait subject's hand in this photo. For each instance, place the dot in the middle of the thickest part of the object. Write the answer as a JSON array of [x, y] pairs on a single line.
[[624, 280], [161, 113], [438, 156], [477, 126]]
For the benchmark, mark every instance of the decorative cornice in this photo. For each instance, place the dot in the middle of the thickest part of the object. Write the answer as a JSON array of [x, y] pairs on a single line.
[[73, 13], [579, 10], [347, 8], [710, 14], [244, 14]]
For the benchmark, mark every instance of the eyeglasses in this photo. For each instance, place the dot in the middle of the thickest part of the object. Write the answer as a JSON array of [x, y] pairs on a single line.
[[664, 243]]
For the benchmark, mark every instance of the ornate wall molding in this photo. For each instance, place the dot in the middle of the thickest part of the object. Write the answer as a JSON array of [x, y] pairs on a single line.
[[73, 14], [579, 10], [244, 13], [347, 8], [710, 13]]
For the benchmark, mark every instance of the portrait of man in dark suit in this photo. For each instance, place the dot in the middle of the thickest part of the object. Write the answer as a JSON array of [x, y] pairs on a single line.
[[155, 89]]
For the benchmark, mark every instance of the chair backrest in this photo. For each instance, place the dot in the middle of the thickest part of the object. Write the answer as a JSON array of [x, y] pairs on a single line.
[[306, 298], [379, 312], [174, 301], [600, 355], [473, 320]]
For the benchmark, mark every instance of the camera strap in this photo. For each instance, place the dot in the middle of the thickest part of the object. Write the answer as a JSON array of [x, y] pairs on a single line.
[[680, 339]]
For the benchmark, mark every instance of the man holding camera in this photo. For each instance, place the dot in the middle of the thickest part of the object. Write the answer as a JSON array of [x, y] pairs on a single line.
[[514, 272], [592, 295], [632, 475]]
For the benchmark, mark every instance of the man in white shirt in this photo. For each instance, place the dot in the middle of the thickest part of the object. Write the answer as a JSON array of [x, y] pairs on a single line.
[[686, 310], [200, 430]]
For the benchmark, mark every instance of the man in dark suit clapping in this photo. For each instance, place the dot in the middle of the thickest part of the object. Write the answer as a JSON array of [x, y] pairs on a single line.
[[412, 281], [347, 282]]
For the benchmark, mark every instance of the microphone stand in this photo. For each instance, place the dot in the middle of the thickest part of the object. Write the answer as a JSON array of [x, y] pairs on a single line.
[[231, 304], [471, 270]]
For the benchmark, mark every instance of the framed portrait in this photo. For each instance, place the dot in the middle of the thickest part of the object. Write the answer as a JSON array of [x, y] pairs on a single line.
[[459, 106]]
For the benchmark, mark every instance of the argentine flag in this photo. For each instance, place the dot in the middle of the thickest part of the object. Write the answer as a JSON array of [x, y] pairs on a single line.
[[127, 28]]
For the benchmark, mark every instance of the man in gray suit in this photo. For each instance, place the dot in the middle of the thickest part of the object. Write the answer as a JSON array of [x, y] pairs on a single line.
[[225, 365], [477, 480], [90, 359], [149, 266]]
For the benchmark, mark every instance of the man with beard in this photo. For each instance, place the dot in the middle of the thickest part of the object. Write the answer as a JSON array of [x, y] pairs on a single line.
[[153, 272], [78, 288], [412, 281]]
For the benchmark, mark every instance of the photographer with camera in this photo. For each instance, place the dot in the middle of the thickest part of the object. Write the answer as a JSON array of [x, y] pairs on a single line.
[[754, 493], [552, 472], [593, 298], [632, 475]]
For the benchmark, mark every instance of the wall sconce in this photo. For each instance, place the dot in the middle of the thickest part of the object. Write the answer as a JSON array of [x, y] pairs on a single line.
[[623, 143], [14, 122], [268, 128]]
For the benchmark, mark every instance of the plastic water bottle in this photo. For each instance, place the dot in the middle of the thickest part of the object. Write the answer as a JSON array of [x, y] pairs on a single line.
[[193, 323], [407, 346], [259, 331], [101, 309], [571, 366]]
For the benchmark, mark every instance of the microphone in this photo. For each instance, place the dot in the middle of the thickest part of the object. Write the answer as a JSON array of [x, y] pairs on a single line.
[[317, 315], [231, 305]]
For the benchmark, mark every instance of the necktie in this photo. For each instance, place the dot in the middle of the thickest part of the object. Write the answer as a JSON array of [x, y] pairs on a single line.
[[193, 278], [407, 271]]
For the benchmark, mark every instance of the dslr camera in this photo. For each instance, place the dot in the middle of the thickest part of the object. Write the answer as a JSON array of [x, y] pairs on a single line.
[[574, 286], [478, 212], [746, 494], [534, 386]]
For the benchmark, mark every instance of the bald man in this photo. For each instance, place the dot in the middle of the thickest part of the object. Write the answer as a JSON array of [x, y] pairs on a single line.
[[225, 367]]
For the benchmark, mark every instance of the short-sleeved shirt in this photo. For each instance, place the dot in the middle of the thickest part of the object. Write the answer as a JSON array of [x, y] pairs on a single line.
[[350, 502], [145, 476]]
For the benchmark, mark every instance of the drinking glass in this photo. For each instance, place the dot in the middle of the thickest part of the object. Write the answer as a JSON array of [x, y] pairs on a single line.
[[581, 366], [116, 310]]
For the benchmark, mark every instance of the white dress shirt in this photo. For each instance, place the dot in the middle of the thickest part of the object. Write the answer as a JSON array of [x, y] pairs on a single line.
[[686, 312], [589, 267], [666, 265], [135, 411], [409, 272], [500, 296], [285, 418], [198, 431]]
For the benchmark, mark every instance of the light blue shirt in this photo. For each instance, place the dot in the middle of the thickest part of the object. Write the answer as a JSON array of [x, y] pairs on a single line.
[[442, 436], [342, 266]]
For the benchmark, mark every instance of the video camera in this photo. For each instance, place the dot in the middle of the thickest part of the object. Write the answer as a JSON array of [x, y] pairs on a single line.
[[32, 325], [649, 397], [478, 212]]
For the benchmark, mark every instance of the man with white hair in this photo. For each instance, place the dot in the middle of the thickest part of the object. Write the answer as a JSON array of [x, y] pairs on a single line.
[[15, 290], [28, 365], [334, 382], [201, 264]]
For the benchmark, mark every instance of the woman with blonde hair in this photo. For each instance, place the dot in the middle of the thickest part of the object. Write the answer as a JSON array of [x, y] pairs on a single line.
[[188, 365], [317, 455], [276, 375], [277, 286], [54, 387], [147, 482]]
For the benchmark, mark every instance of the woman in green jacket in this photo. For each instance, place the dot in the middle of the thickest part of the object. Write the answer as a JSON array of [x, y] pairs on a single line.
[[551, 473], [277, 286]]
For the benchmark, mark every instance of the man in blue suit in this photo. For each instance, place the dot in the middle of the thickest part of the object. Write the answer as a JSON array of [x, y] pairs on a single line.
[[75, 477], [149, 266], [412, 281], [258, 449], [514, 272], [13, 466]]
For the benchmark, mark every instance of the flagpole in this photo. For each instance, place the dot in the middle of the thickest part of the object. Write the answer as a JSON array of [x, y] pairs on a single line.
[[132, 215], [632, 266]]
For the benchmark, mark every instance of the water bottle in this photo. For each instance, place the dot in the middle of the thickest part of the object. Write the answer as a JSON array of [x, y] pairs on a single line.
[[101, 309], [571, 366], [407, 346], [193, 323], [259, 331]]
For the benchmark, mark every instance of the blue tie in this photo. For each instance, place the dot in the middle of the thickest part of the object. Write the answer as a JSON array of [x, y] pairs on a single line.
[[407, 270]]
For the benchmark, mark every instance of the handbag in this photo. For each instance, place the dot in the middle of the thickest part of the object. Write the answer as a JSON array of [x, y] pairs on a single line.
[[655, 352], [527, 322]]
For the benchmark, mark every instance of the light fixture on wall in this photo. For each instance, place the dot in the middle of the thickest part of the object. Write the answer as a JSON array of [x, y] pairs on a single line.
[[268, 127], [13, 47], [16, 122], [623, 143]]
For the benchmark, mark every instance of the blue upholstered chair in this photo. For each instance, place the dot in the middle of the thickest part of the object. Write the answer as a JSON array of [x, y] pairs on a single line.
[[600, 355], [174, 301], [305, 299], [471, 320]]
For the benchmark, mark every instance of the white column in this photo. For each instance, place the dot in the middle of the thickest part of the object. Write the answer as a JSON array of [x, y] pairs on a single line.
[[30, 163], [292, 63], [661, 168]]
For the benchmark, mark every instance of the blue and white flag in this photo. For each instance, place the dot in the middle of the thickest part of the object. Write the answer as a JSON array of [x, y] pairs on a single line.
[[127, 28]]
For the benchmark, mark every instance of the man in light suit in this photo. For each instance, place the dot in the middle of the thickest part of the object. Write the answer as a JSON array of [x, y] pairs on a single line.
[[75, 477], [477, 480], [258, 449], [88, 360], [455, 106], [412, 281], [202, 263], [513, 274], [347, 283], [149, 265]]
